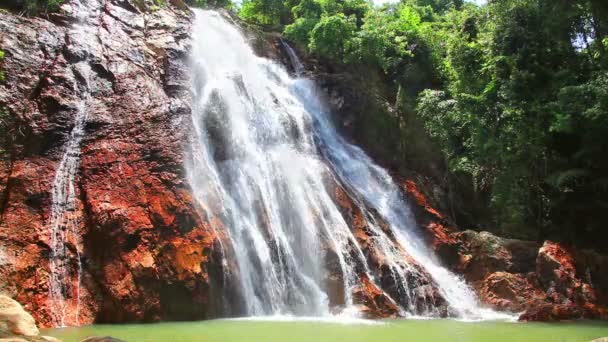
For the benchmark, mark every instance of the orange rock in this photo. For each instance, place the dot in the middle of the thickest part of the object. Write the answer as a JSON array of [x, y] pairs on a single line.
[[412, 189]]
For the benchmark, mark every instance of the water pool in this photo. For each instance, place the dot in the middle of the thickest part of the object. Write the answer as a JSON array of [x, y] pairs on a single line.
[[332, 331]]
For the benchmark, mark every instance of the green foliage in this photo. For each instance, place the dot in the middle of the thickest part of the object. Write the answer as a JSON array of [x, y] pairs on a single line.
[[35, 7], [382, 40], [331, 35], [514, 93], [440, 6], [264, 12], [307, 14], [300, 30], [208, 3], [353, 32], [4, 129], [1, 71], [307, 9], [158, 4], [524, 110]]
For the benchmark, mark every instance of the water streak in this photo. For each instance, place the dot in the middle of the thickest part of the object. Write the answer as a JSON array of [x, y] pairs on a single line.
[[296, 64], [65, 259]]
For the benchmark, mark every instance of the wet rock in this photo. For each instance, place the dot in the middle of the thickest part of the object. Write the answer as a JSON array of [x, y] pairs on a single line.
[[374, 303], [385, 296], [510, 292], [557, 273], [101, 339], [436, 227], [553, 312]]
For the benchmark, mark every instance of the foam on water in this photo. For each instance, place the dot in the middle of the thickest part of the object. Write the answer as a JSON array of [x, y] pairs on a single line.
[[346, 319]]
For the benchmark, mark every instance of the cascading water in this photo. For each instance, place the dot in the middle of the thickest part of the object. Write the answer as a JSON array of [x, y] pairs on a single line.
[[65, 259], [64, 225], [297, 66], [263, 154]]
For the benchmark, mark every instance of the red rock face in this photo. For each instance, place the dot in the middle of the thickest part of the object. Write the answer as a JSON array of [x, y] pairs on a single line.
[[146, 253]]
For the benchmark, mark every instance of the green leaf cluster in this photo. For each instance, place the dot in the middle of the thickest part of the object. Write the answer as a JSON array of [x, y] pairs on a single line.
[[522, 108], [36, 7]]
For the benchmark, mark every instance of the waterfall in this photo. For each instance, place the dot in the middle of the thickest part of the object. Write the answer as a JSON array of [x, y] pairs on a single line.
[[298, 67], [265, 159], [65, 258], [64, 225]]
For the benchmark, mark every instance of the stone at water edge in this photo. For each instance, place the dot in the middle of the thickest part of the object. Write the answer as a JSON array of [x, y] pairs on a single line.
[[601, 339], [50, 339], [16, 320]]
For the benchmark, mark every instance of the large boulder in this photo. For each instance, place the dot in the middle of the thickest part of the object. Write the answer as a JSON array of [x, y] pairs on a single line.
[[16, 320], [101, 339], [509, 292], [18, 325]]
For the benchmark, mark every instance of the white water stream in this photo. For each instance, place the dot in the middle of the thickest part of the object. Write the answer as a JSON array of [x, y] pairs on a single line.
[[263, 154]]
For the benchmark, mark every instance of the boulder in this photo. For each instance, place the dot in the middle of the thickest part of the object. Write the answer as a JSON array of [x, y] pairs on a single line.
[[50, 339], [509, 292], [29, 339], [16, 320], [552, 312], [101, 339]]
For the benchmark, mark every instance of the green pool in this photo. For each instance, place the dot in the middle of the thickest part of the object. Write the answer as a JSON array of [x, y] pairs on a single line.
[[320, 331]]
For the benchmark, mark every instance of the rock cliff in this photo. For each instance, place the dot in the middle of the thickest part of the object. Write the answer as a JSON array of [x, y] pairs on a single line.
[[143, 247]]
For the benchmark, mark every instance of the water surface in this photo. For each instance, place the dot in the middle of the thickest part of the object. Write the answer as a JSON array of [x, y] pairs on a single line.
[[331, 331]]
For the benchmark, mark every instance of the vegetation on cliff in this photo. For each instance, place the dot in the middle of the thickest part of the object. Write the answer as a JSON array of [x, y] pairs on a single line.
[[32, 7], [514, 92]]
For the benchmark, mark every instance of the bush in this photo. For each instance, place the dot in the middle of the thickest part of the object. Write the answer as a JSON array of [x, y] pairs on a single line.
[[331, 36], [300, 30], [36, 7]]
